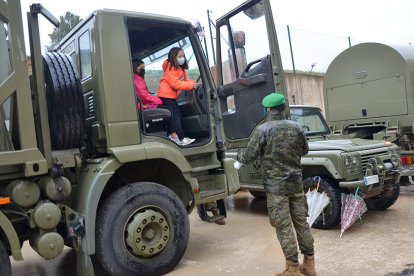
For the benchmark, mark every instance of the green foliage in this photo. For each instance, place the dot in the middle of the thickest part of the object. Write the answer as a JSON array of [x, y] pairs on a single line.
[[193, 74], [66, 23]]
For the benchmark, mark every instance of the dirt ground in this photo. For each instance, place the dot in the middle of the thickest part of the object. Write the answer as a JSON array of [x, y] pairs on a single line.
[[381, 244]]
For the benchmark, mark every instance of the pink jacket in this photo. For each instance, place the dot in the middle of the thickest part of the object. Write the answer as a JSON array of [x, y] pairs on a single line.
[[173, 82], [148, 101]]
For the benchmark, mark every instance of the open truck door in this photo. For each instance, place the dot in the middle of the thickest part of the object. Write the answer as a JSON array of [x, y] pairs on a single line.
[[249, 67]]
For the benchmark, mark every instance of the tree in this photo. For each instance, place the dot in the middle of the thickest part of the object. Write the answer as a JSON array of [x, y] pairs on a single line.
[[66, 23]]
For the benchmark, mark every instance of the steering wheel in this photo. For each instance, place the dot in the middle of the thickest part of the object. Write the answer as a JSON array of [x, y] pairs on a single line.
[[306, 128]]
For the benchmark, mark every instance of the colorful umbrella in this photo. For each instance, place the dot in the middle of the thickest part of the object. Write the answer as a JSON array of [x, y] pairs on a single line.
[[352, 208], [317, 201]]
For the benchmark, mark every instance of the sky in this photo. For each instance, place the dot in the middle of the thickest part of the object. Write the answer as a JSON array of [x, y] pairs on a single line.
[[314, 24]]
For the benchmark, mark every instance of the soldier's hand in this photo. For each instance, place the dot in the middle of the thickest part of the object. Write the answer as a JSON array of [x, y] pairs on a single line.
[[237, 165]]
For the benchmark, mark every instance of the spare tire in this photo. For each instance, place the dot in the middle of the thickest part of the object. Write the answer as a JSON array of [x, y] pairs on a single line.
[[65, 103]]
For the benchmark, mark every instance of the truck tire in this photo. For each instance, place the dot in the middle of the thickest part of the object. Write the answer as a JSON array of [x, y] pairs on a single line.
[[331, 215], [258, 195], [142, 228], [384, 200], [5, 266], [65, 103]]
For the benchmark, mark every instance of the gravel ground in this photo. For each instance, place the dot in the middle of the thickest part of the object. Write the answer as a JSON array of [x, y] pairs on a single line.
[[381, 244]]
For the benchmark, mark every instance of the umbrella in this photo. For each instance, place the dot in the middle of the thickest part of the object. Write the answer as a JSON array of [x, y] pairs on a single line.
[[352, 208], [317, 201]]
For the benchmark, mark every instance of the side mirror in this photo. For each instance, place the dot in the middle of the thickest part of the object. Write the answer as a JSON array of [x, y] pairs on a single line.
[[255, 11]]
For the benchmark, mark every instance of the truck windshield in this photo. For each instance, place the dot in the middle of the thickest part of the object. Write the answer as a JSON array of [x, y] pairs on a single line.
[[311, 120]]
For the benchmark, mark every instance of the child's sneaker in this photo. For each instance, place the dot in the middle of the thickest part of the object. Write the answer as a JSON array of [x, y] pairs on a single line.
[[175, 139], [186, 141]]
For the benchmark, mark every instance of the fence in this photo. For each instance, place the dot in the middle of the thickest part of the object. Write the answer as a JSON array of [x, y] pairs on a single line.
[[308, 51]]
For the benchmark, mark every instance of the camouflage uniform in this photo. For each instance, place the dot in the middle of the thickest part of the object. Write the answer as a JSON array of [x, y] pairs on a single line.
[[280, 143]]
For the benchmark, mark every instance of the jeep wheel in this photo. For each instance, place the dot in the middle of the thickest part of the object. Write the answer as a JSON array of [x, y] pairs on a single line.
[[385, 199], [65, 102], [258, 195], [142, 228], [5, 266], [331, 215]]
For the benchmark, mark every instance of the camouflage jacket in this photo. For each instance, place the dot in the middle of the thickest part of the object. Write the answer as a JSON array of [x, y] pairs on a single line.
[[280, 144]]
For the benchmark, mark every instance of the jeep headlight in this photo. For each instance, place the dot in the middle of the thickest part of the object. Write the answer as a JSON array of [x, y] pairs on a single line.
[[348, 161], [352, 160], [355, 160], [393, 150], [352, 163]]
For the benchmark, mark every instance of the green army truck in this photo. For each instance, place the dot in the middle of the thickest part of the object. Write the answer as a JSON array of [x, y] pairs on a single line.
[[339, 165], [368, 93], [81, 166]]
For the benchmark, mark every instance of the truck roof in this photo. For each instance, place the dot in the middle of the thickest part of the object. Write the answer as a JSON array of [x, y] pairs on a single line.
[[124, 13], [369, 61]]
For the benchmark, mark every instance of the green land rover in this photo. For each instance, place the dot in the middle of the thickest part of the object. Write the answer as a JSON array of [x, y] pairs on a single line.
[[343, 165]]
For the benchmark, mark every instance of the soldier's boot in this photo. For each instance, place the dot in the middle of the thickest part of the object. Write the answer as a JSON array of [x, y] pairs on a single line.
[[216, 212], [308, 266], [292, 269]]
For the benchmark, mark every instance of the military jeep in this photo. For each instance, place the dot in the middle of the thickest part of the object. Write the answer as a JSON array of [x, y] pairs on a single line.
[[343, 165]]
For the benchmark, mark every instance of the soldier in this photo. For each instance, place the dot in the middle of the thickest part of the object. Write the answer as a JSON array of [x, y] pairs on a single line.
[[280, 143]]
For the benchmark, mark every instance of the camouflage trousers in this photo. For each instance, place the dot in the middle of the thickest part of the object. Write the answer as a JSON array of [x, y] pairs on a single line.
[[288, 213]]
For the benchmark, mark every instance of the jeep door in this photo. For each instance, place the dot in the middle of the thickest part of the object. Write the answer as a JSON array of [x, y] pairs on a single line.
[[249, 67]]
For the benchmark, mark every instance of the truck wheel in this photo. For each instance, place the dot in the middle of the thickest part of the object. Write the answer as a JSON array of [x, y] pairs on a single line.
[[384, 200], [5, 266], [142, 228], [331, 215], [258, 195], [65, 101]]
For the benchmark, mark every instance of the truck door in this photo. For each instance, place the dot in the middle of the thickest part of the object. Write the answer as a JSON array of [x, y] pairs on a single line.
[[249, 67]]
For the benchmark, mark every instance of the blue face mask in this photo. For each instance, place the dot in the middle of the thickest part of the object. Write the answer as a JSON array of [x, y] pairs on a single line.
[[180, 60], [264, 111]]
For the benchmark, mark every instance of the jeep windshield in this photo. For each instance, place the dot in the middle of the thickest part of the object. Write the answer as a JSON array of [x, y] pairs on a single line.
[[311, 120]]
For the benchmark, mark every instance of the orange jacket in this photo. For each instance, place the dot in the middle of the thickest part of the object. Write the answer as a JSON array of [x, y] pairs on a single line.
[[173, 82]]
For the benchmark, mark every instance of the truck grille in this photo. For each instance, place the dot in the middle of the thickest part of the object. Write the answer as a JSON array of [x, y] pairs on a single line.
[[367, 154]]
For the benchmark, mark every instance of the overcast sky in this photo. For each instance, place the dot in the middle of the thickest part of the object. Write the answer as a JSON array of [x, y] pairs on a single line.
[[388, 22]]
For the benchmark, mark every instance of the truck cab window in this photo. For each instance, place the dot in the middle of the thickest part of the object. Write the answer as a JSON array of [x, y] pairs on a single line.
[[85, 55], [247, 36], [151, 45]]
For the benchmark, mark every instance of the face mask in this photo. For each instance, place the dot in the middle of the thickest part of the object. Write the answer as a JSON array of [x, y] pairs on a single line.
[[180, 60], [264, 111], [141, 73]]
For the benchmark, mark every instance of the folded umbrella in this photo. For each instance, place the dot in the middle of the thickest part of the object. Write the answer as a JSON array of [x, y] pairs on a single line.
[[317, 201], [352, 208]]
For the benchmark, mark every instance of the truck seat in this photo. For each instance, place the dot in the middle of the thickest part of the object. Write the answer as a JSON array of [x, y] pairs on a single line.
[[155, 120]]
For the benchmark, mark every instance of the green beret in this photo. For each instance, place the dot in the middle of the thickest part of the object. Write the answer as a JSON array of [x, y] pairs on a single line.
[[273, 100]]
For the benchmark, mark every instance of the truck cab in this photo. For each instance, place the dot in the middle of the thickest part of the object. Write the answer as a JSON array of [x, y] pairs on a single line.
[[82, 166]]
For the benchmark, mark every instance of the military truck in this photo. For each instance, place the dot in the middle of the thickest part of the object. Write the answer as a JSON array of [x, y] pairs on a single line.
[[81, 166], [339, 165], [369, 93]]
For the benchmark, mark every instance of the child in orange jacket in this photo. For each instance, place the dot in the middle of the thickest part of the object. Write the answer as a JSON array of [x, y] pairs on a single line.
[[174, 81]]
